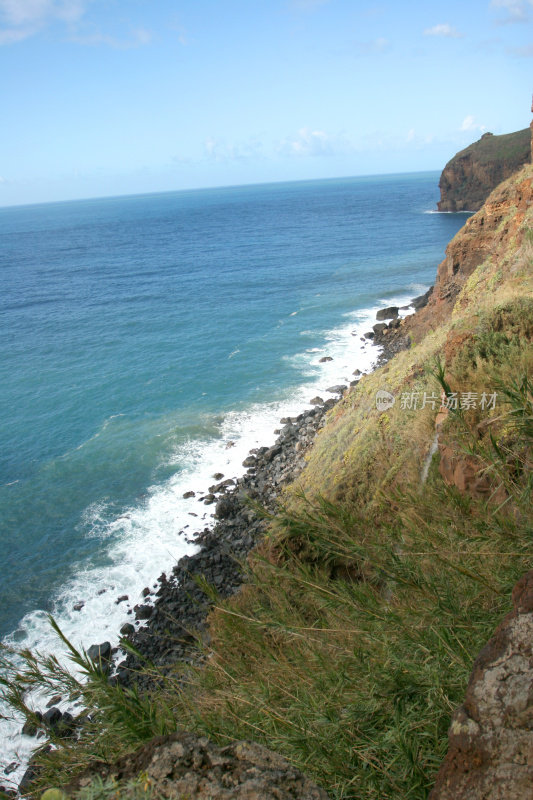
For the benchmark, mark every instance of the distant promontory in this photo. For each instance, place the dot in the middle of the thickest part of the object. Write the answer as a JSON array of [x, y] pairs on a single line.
[[472, 174]]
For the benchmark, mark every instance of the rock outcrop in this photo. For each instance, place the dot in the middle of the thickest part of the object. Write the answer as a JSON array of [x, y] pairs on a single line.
[[490, 755], [183, 765], [497, 230], [472, 174]]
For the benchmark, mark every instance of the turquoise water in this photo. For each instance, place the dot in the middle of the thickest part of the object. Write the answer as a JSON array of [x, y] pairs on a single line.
[[135, 329]]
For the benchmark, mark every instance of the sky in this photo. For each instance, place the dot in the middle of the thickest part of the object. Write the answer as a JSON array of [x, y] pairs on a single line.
[[113, 97]]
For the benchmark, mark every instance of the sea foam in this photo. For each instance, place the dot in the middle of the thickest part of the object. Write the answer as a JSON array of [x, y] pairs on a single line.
[[151, 537]]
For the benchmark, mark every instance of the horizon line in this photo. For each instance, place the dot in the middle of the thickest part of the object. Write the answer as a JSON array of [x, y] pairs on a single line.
[[217, 186]]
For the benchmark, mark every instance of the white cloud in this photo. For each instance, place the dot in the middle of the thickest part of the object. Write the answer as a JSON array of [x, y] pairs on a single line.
[[443, 29], [308, 142], [24, 18], [376, 46], [411, 135], [221, 151], [12, 35], [516, 10], [469, 124], [523, 52], [136, 38], [36, 12]]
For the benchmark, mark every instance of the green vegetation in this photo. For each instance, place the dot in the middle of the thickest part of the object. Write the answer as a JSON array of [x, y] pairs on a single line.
[[510, 147], [353, 640]]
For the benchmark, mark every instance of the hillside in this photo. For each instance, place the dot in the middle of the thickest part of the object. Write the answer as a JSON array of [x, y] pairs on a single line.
[[361, 633], [470, 176]]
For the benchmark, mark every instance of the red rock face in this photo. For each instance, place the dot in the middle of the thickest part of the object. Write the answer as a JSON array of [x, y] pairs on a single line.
[[484, 235], [471, 175], [490, 754], [466, 474]]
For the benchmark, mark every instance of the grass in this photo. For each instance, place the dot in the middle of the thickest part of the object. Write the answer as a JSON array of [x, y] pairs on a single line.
[[352, 642], [511, 147]]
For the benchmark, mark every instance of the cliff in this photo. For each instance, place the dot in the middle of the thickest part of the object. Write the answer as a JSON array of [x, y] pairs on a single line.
[[474, 172], [352, 649]]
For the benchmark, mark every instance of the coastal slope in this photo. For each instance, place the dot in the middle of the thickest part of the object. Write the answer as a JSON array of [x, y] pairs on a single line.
[[387, 565], [470, 176]]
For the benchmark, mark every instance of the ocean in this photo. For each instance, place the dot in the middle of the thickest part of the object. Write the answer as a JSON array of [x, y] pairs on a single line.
[[148, 342]]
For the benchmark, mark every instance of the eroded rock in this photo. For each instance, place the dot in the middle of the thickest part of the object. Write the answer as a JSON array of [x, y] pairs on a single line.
[[490, 752], [186, 765]]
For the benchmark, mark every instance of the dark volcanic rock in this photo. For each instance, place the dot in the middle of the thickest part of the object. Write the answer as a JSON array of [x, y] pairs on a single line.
[[422, 300], [490, 752], [178, 619], [387, 313], [31, 726], [472, 174], [225, 507], [189, 766], [99, 652], [51, 717], [142, 611], [127, 629], [54, 701]]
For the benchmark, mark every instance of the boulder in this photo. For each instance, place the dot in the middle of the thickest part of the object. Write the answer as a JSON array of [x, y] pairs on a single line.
[[99, 652], [127, 629], [336, 389], [31, 726], [51, 717], [379, 327], [490, 741], [225, 508], [387, 313], [142, 611], [422, 299], [186, 765], [324, 359], [54, 701], [316, 401]]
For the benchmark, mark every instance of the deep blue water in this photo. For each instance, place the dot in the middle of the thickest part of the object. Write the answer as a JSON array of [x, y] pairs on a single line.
[[131, 326]]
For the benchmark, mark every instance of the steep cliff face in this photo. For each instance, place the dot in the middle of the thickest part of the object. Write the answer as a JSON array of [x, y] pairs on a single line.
[[495, 227], [473, 173]]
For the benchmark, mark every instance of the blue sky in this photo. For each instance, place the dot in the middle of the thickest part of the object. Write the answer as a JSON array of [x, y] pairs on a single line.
[[109, 97]]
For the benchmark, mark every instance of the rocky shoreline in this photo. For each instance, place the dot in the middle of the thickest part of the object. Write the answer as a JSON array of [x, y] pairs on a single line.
[[179, 612], [175, 611]]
